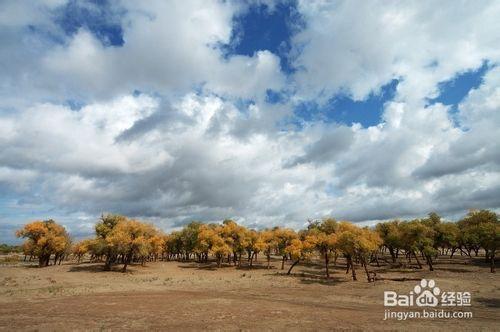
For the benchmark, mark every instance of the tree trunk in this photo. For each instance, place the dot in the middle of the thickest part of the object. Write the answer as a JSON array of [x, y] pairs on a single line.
[[268, 262], [352, 269], [492, 261], [291, 267], [429, 262], [326, 265], [393, 255], [418, 261], [41, 261], [466, 252], [107, 264], [368, 276], [283, 263], [126, 261]]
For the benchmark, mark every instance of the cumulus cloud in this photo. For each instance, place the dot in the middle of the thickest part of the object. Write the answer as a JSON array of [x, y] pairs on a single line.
[[357, 47], [169, 128], [476, 146], [182, 168], [169, 48]]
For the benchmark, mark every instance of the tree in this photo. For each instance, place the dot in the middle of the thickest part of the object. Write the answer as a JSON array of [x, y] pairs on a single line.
[[103, 230], [447, 237], [480, 228], [489, 233], [45, 238], [131, 239], [173, 245], [81, 248], [368, 243], [268, 243], [418, 237], [299, 249], [432, 219], [253, 244], [189, 238], [347, 235], [324, 244], [357, 243], [284, 237], [97, 249], [391, 236], [157, 245], [234, 236], [212, 238], [29, 250], [204, 243]]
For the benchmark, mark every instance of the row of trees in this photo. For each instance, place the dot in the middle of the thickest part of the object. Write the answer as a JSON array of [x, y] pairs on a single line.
[[7, 249], [429, 237], [119, 240]]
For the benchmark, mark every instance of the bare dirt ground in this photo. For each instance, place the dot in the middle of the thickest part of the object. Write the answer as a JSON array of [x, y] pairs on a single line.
[[191, 296]]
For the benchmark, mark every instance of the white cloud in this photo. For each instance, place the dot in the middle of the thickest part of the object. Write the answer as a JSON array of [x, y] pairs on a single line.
[[168, 47], [357, 47], [181, 149]]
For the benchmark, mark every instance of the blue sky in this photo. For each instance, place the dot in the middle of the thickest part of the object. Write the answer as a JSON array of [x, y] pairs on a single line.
[[453, 91], [263, 28], [268, 112], [98, 18]]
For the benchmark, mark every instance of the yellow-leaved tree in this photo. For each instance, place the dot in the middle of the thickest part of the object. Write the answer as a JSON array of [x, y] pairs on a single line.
[[235, 237], [299, 249], [131, 239], [81, 248], [284, 237], [322, 234], [357, 243], [44, 239], [268, 243]]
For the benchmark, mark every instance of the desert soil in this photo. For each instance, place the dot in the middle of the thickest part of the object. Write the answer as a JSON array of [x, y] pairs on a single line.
[[190, 296]]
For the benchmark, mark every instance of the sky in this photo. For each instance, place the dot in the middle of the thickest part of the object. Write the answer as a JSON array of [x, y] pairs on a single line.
[[266, 112]]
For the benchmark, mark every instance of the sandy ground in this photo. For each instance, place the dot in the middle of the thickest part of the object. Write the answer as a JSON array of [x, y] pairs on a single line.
[[191, 296]]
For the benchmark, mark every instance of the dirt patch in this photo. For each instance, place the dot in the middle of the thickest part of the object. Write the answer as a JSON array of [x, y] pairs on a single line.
[[191, 296]]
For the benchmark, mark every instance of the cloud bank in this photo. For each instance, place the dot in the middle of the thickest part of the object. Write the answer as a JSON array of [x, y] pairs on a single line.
[[170, 127]]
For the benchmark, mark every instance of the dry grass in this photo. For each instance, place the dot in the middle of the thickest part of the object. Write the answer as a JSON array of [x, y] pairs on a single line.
[[192, 296]]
